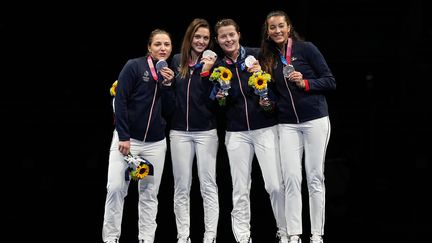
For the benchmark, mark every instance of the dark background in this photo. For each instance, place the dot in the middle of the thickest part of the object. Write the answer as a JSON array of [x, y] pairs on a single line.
[[59, 62]]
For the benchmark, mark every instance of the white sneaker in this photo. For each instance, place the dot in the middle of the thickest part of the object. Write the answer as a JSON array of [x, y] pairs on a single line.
[[282, 238], [184, 240], [246, 240], [143, 241], [316, 239], [294, 239], [209, 240]]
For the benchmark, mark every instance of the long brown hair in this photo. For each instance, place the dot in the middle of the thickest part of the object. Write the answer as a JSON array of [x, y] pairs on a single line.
[[268, 53], [186, 47]]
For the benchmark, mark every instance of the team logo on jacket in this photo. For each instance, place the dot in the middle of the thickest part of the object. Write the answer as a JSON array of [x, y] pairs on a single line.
[[242, 65], [146, 76]]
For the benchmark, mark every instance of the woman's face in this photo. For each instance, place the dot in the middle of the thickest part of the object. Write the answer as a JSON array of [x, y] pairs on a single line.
[[200, 40], [278, 29], [160, 48], [228, 39]]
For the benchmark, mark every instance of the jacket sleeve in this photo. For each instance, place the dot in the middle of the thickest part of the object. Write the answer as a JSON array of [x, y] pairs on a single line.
[[126, 83], [324, 80]]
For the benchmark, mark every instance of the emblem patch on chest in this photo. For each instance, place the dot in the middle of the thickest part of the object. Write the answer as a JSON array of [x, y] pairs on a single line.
[[146, 76]]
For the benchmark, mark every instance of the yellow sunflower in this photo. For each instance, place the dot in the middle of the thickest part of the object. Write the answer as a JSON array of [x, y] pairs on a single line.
[[113, 88], [225, 75], [221, 74], [260, 83], [259, 80], [141, 171]]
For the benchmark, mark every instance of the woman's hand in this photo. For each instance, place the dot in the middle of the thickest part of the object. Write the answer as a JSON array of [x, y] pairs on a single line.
[[297, 78], [255, 67], [220, 94], [168, 76], [264, 102], [208, 63], [124, 147]]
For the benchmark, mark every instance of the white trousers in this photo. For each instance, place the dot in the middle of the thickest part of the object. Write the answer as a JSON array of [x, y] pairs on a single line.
[[184, 147], [310, 137], [148, 188], [241, 147]]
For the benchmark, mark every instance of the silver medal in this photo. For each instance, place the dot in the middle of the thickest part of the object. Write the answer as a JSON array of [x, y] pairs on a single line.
[[209, 53], [161, 64], [249, 61], [288, 69]]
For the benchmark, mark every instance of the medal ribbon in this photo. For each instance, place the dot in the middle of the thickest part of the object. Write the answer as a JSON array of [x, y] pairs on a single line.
[[196, 65], [240, 59], [287, 58], [288, 51], [152, 68]]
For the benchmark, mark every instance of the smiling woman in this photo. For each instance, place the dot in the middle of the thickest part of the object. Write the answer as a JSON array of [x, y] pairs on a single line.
[[60, 60], [303, 118], [138, 92], [251, 131], [193, 132]]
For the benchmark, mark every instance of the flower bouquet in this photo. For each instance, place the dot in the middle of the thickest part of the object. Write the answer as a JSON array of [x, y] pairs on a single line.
[[258, 81], [113, 91], [138, 167], [113, 88], [222, 75]]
